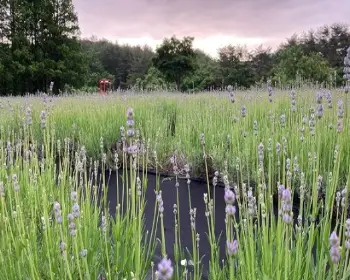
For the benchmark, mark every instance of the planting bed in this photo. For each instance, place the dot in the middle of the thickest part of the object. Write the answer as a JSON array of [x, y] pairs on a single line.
[[270, 199]]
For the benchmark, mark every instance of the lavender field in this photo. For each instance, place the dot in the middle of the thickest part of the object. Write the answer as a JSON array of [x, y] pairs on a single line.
[[282, 159]]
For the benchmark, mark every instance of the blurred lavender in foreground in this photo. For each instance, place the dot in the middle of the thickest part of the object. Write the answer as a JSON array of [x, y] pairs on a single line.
[[335, 250], [165, 270]]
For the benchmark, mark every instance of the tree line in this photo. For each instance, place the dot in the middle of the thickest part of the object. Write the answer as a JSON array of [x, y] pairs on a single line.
[[40, 43]]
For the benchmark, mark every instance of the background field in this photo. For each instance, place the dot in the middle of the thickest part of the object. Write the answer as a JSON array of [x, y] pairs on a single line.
[[173, 123]]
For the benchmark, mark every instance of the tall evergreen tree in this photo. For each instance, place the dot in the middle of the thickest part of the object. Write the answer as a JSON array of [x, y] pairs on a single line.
[[39, 44]]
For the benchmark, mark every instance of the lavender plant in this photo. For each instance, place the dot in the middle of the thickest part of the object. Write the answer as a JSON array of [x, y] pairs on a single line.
[[53, 229]]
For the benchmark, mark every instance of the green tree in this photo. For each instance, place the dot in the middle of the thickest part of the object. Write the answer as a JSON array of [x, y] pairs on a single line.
[[61, 59], [236, 68], [39, 44], [292, 63], [262, 63], [153, 80], [175, 59], [206, 74], [329, 40]]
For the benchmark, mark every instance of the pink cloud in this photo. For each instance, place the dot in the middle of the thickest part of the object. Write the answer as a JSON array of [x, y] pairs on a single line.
[[155, 19]]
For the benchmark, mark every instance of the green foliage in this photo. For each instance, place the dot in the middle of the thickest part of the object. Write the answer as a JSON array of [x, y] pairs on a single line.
[[175, 59], [125, 65], [39, 45], [206, 74], [153, 80], [293, 63], [235, 66], [329, 40]]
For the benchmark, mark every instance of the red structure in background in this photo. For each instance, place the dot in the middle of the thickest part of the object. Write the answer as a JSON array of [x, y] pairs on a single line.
[[104, 85]]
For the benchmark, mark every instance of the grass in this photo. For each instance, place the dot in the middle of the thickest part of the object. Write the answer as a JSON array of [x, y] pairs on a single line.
[[272, 150]]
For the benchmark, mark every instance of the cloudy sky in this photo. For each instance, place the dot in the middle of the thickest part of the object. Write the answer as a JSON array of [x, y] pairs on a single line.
[[213, 23]]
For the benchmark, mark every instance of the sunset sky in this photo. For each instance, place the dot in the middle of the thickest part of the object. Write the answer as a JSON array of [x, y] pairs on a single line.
[[213, 23]]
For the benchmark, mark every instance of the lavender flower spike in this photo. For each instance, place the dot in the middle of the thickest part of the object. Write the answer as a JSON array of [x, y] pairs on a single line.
[[165, 270], [286, 206], [335, 250], [232, 247], [229, 196]]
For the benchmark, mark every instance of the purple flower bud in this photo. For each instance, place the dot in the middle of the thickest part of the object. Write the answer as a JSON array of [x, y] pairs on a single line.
[[340, 125], [130, 123], [70, 217], [132, 150], [131, 132], [333, 239], [232, 247], [130, 113], [286, 205], [229, 196], [63, 246], [73, 195], [230, 210], [165, 269], [286, 195], [287, 219], [280, 190], [76, 210]]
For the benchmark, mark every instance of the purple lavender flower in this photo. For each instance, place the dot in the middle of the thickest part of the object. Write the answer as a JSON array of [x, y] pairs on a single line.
[[319, 111], [71, 226], [230, 210], [229, 197], [243, 111], [43, 119], [252, 209], [74, 195], [281, 188], [132, 150], [29, 119], [340, 125], [328, 96], [278, 148], [340, 109], [335, 250], [165, 269], [76, 210], [347, 234], [130, 113], [57, 210], [63, 246], [130, 123], [286, 205], [232, 247], [283, 120], [70, 217], [287, 219], [130, 132], [319, 97], [160, 201]]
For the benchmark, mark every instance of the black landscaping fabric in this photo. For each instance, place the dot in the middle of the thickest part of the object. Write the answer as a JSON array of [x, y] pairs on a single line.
[[167, 186]]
